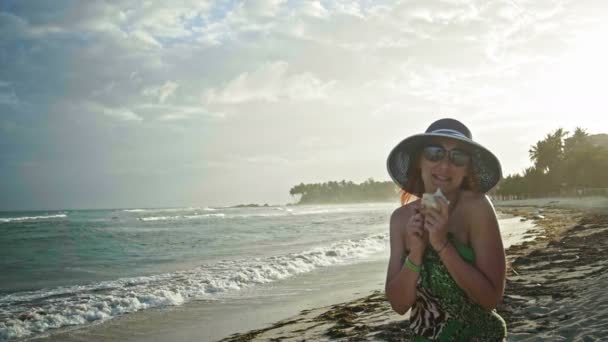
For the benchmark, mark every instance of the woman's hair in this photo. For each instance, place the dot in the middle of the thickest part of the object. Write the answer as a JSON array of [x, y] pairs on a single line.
[[416, 185], [414, 182]]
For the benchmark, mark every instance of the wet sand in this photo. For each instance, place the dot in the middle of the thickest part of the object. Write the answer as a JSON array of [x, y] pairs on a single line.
[[555, 288]]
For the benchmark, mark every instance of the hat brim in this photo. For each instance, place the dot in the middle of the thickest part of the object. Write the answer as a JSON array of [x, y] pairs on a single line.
[[486, 166]]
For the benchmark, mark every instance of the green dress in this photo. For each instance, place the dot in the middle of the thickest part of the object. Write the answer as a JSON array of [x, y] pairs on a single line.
[[443, 312]]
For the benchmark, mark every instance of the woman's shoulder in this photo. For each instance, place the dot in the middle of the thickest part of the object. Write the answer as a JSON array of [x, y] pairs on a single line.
[[404, 212], [471, 199], [478, 209]]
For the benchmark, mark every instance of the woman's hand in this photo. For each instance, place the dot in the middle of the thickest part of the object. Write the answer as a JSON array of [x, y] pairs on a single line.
[[436, 224], [415, 237]]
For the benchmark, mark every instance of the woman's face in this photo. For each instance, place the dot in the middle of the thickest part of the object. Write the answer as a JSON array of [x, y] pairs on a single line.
[[443, 173]]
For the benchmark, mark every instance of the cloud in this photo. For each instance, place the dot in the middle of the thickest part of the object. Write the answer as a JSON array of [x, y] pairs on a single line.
[[260, 8], [313, 9], [353, 77], [146, 38], [120, 113], [161, 92], [270, 83], [8, 98], [265, 160], [14, 28], [7, 94], [163, 112]]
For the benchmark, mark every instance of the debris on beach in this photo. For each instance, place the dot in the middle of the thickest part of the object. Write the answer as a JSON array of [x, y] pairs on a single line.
[[552, 282]]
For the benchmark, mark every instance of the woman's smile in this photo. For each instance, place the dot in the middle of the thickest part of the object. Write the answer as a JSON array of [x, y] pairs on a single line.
[[439, 180]]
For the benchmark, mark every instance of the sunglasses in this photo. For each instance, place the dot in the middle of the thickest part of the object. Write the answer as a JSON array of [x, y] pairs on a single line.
[[457, 157]]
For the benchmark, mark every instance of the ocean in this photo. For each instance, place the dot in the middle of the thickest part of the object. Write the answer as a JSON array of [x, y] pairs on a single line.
[[74, 269]]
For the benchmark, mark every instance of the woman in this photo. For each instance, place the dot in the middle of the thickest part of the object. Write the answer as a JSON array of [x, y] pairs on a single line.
[[447, 263]]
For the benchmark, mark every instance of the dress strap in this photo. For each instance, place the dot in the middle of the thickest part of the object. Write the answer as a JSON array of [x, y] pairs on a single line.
[[465, 251]]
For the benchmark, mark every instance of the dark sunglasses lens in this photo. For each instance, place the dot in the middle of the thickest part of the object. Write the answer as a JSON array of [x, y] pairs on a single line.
[[433, 153], [459, 158]]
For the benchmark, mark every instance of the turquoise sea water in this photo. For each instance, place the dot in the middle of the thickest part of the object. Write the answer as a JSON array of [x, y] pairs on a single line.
[[73, 268]]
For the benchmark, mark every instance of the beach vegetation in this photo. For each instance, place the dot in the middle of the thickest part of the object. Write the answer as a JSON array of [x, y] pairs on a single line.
[[563, 164], [345, 192]]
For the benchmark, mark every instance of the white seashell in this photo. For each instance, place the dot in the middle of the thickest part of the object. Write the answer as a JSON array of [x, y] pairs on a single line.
[[430, 200]]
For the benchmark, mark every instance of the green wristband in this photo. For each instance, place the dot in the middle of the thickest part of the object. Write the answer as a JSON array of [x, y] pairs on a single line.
[[411, 265]]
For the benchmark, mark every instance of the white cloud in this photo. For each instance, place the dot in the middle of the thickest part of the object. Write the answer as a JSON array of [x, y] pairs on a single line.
[[163, 112], [306, 86], [146, 38], [122, 114], [107, 89], [167, 90], [313, 9], [270, 82], [265, 160], [161, 92], [261, 8], [354, 76], [350, 8]]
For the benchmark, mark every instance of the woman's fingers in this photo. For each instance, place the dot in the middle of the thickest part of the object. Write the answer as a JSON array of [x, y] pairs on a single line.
[[443, 206], [434, 214], [429, 224], [417, 232]]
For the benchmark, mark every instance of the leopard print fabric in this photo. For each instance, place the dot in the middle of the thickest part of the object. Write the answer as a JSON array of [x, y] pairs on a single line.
[[443, 312]]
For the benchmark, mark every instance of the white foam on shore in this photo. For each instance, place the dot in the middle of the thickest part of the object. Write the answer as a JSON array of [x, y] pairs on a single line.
[[313, 210], [27, 314], [181, 217], [150, 210], [31, 218], [232, 213]]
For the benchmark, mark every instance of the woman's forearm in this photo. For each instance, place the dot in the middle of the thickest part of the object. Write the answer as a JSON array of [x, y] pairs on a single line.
[[472, 281], [401, 288]]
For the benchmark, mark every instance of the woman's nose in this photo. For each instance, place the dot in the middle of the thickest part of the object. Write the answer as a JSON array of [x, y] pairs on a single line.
[[444, 162]]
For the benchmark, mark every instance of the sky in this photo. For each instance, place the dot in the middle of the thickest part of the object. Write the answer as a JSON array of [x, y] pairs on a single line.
[[129, 104]]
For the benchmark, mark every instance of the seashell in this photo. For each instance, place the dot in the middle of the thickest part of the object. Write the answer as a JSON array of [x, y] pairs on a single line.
[[430, 200]]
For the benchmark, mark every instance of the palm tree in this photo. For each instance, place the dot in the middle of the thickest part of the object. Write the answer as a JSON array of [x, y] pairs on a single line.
[[547, 154], [548, 157], [577, 158]]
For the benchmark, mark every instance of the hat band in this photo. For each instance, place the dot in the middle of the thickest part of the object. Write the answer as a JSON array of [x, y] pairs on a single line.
[[449, 131]]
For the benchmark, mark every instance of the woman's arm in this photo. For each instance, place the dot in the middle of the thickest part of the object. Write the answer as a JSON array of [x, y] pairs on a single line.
[[400, 284], [483, 282]]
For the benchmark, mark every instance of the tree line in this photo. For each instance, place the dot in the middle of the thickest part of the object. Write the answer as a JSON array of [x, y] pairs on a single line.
[[345, 192], [563, 164]]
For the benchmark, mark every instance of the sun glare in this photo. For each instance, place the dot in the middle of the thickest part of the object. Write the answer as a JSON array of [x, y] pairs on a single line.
[[570, 89]]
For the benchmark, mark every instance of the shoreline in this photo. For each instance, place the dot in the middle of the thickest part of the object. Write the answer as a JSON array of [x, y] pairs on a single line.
[[544, 281]]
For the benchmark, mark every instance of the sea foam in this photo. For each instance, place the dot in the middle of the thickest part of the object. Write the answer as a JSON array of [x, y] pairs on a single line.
[[26, 314], [181, 217], [31, 218]]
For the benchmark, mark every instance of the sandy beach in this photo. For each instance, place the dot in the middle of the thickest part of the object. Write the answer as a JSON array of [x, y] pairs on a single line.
[[555, 285]]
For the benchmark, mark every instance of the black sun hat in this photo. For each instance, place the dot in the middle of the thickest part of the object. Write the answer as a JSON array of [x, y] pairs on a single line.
[[485, 164]]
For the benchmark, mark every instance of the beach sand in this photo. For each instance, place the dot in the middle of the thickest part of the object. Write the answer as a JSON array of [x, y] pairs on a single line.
[[555, 285]]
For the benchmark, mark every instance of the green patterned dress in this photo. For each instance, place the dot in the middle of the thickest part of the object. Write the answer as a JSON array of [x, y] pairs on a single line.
[[443, 312]]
